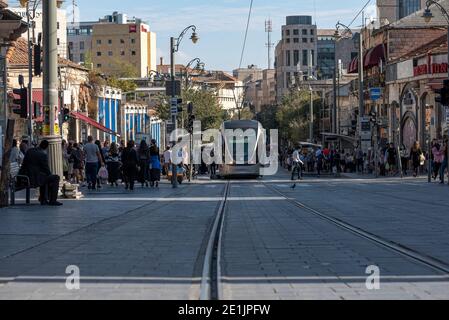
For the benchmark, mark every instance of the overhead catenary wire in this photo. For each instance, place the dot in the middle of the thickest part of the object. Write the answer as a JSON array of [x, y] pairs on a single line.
[[359, 13], [246, 33]]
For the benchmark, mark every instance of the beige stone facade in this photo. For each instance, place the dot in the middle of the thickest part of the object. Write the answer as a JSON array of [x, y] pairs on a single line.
[[115, 43]]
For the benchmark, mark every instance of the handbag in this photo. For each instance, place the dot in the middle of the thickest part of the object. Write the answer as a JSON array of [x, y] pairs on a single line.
[[103, 173], [422, 159]]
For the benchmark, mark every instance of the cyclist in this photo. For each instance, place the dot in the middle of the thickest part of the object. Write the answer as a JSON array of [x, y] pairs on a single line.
[[297, 163]]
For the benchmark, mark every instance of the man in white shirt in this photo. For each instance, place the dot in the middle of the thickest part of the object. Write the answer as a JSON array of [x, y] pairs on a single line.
[[167, 159], [297, 163], [93, 158]]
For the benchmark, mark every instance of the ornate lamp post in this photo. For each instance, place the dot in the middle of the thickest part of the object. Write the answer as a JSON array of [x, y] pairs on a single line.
[[174, 47]]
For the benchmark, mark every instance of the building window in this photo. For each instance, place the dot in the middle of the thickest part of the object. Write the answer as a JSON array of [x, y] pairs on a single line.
[[287, 58], [287, 32], [296, 40], [296, 32], [312, 32], [122, 41], [133, 40], [82, 57], [289, 80], [133, 53], [109, 41], [70, 45], [110, 53], [407, 7], [98, 41], [304, 32], [304, 40], [98, 65], [57, 25], [312, 40], [98, 53], [287, 40], [296, 57], [313, 58], [81, 45], [122, 52], [58, 42], [305, 57]]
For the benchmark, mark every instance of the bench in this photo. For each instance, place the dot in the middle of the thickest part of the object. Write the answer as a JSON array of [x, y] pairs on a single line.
[[17, 183]]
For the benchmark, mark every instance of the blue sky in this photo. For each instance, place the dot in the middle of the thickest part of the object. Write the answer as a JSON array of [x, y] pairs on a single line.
[[221, 23]]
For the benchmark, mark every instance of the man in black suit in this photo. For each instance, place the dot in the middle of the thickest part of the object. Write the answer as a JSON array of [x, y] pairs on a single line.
[[35, 166]]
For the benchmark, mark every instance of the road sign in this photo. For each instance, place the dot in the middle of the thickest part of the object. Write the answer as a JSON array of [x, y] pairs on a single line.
[[174, 106], [375, 93]]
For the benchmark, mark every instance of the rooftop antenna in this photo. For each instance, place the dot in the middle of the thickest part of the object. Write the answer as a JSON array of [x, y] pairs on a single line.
[[269, 44]]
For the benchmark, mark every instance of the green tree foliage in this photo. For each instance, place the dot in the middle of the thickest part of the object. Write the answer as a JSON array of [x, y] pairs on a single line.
[[206, 108], [267, 117], [293, 115]]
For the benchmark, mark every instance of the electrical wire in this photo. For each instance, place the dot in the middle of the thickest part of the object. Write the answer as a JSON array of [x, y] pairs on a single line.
[[358, 14], [246, 33]]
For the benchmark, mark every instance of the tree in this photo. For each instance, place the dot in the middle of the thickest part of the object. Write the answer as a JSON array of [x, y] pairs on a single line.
[[206, 108], [267, 117], [294, 113]]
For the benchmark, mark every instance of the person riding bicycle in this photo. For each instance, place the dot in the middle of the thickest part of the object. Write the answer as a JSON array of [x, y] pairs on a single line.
[[297, 163]]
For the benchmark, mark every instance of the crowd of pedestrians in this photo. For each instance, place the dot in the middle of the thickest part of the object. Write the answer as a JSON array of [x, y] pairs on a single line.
[[95, 164], [390, 160]]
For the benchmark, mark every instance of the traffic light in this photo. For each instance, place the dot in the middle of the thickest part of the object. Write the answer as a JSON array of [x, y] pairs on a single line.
[[37, 60], [66, 115], [191, 121], [373, 117], [22, 102], [442, 95]]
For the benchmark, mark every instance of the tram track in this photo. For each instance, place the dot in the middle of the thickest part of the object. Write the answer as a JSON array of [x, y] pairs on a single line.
[[210, 281], [398, 248]]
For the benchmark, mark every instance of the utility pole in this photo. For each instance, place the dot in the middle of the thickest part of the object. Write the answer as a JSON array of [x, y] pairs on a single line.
[[311, 97], [50, 85], [173, 117], [361, 82], [30, 74], [334, 82]]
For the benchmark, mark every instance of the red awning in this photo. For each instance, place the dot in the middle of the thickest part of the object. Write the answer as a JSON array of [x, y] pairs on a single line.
[[374, 56], [371, 58], [354, 65], [93, 123]]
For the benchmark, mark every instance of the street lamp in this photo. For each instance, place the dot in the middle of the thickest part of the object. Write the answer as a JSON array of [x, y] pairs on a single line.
[[199, 66], [174, 47]]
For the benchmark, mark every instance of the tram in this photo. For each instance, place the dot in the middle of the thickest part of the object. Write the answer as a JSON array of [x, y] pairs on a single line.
[[243, 164]]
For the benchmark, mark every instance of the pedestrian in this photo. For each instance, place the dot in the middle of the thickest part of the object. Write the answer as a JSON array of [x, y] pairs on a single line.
[[417, 158], [93, 159], [405, 156], [438, 158], [113, 164], [16, 156], [143, 155], [101, 163], [77, 158], [297, 163], [359, 157], [167, 160], [319, 161], [24, 146], [129, 165], [105, 148], [444, 164], [35, 167], [391, 159], [65, 160], [155, 165]]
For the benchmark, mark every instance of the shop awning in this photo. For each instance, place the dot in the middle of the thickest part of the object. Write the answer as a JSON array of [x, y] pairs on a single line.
[[371, 58], [93, 123], [354, 66], [374, 56]]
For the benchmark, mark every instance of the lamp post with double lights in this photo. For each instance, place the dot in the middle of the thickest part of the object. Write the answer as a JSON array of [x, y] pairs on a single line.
[[174, 47], [428, 16], [199, 66]]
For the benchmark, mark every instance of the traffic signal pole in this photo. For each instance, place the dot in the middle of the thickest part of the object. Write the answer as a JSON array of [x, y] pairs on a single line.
[[50, 85], [30, 77]]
